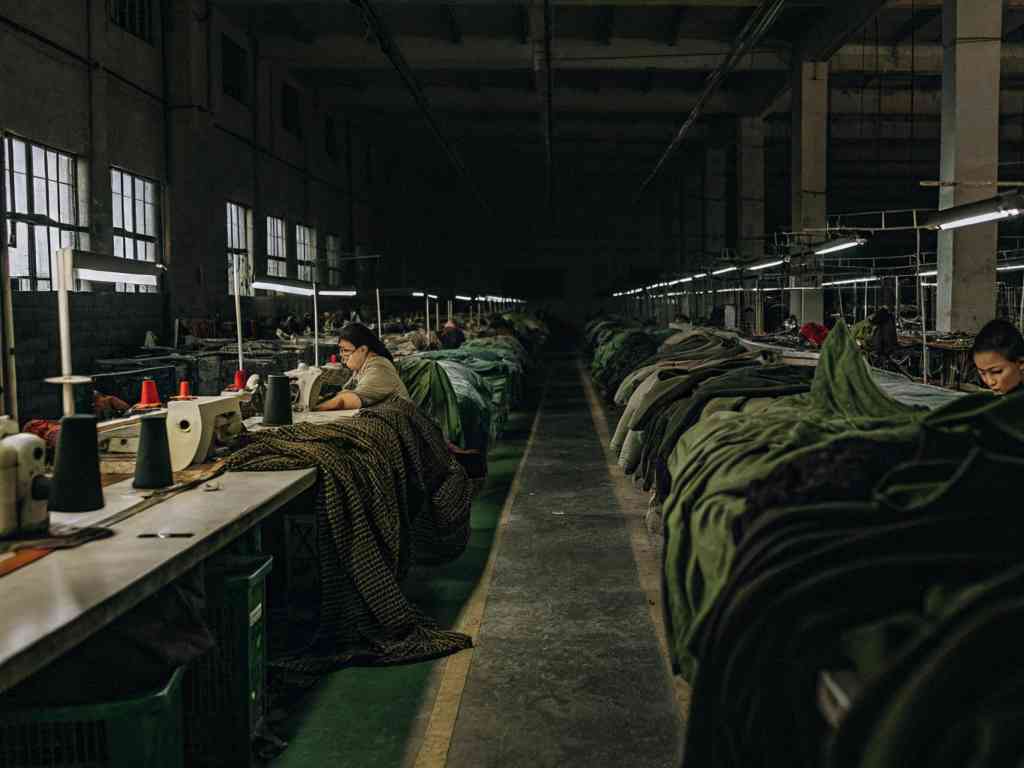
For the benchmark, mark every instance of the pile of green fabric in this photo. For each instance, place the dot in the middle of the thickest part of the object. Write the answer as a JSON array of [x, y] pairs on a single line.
[[388, 495], [475, 409], [840, 528], [618, 356], [499, 368], [432, 391]]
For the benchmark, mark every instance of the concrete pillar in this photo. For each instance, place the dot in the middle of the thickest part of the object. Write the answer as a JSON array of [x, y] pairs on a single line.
[[100, 203], [750, 186], [715, 189], [972, 33], [809, 175]]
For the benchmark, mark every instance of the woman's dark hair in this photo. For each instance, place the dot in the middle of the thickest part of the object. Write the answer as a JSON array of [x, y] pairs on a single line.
[[358, 335], [1002, 337]]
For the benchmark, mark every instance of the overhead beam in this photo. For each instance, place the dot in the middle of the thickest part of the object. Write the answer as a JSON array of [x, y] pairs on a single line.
[[915, 24], [454, 29], [676, 23], [893, 4], [839, 28], [605, 28]]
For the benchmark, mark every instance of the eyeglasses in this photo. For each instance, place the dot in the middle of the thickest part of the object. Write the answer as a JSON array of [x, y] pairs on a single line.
[[346, 352]]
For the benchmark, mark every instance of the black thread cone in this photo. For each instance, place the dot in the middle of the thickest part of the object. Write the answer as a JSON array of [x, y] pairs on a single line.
[[153, 459], [277, 411], [76, 483]]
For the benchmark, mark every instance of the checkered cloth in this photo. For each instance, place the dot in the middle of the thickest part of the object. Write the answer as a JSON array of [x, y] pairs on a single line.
[[388, 495]]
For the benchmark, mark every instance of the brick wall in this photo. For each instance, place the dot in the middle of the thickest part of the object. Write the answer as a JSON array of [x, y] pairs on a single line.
[[102, 325]]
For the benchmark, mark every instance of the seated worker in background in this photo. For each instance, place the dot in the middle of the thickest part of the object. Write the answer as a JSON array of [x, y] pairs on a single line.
[[374, 378], [999, 356], [452, 337]]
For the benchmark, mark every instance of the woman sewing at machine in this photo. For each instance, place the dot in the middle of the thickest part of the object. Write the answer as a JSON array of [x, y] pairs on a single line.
[[374, 378]]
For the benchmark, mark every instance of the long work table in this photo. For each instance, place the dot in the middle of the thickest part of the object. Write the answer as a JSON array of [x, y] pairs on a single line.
[[52, 605]]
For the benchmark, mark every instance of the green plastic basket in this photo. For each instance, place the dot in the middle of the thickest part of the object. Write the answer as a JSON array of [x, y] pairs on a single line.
[[225, 689], [144, 732]]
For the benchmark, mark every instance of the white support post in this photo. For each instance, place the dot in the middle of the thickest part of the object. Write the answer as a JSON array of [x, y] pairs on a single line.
[[238, 312], [316, 331]]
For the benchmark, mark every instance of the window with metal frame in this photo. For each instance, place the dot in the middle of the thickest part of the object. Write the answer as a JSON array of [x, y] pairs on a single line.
[[136, 222], [277, 253], [332, 246], [239, 226], [134, 16], [234, 73], [42, 210], [305, 252]]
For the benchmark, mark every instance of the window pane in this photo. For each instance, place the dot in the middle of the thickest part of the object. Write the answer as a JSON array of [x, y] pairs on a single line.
[[38, 162], [21, 193], [51, 189], [39, 196], [150, 219], [65, 169], [140, 217], [19, 255], [19, 156], [127, 211], [51, 165], [119, 246], [118, 217]]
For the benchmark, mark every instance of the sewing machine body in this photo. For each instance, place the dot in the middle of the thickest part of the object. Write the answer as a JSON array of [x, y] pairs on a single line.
[[196, 427], [24, 492]]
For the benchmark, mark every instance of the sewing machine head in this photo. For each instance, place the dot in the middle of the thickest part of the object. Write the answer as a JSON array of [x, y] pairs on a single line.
[[311, 385], [24, 489], [197, 427]]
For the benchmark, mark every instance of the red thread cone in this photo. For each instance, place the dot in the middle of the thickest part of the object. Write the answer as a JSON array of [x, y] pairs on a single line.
[[185, 388], [334, 358], [239, 381], [149, 397]]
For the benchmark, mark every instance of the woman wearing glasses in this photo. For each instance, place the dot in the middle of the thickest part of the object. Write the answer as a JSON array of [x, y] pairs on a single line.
[[374, 378]]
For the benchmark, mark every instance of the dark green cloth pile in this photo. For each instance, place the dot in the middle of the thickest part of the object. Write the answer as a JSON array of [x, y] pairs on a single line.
[[499, 368], [474, 405], [388, 495], [431, 390], [841, 529], [617, 357]]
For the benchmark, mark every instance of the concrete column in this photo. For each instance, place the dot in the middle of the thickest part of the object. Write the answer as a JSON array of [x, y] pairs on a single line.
[[100, 203], [972, 33], [715, 190], [809, 171], [750, 186]]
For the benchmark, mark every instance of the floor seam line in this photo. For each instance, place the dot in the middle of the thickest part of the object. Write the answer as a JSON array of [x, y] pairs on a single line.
[[437, 739]]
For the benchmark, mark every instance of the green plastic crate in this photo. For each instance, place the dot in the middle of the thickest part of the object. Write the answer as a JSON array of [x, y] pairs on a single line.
[[144, 732], [225, 689]]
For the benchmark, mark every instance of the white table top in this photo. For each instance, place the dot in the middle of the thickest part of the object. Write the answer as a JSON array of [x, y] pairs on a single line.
[[55, 603]]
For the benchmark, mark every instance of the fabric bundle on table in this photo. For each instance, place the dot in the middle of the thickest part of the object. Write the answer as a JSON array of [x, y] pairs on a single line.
[[617, 357], [388, 495], [431, 390]]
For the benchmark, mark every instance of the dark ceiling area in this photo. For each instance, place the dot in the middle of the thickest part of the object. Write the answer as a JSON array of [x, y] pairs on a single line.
[[557, 120]]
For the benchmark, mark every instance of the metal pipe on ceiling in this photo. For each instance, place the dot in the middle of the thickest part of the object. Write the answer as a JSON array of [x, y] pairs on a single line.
[[548, 108], [391, 50], [755, 28]]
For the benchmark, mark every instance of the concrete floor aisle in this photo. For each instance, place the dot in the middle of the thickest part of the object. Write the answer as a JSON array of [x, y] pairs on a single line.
[[567, 670]]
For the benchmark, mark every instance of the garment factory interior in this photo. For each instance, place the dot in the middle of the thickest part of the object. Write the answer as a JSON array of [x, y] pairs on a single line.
[[548, 383]]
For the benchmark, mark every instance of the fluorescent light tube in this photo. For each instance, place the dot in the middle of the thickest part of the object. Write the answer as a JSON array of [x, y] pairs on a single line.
[[842, 244], [106, 276], [724, 271], [280, 287], [338, 293], [996, 208], [418, 294], [850, 281], [702, 274], [767, 265], [932, 273], [1010, 268]]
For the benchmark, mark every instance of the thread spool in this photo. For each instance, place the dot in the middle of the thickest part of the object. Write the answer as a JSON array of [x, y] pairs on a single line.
[[185, 389], [153, 460], [76, 485], [239, 384], [149, 398], [277, 410]]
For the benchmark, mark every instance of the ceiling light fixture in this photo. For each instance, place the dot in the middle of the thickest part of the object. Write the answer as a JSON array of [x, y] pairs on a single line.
[[996, 208], [842, 244], [851, 281], [725, 270], [766, 265]]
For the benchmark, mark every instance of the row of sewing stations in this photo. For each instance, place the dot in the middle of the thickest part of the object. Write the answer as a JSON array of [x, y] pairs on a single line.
[[134, 504]]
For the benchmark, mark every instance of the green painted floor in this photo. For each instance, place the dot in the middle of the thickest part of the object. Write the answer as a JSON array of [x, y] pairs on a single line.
[[368, 717]]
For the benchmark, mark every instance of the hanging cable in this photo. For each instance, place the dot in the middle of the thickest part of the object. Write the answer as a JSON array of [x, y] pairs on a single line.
[[375, 25], [755, 28]]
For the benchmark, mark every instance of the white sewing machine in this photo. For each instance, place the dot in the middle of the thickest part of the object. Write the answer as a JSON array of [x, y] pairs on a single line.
[[307, 383], [24, 490], [196, 427]]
